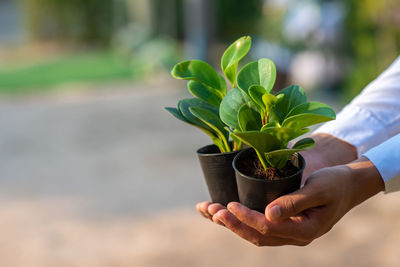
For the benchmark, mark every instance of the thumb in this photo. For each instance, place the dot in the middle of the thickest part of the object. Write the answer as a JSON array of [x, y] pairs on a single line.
[[294, 203]]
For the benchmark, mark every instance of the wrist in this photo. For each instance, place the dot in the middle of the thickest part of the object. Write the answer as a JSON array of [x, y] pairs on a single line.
[[332, 150], [328, 151], [365, 180]]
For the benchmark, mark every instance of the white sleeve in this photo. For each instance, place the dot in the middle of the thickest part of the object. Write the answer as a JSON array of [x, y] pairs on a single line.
[[373, 116], [386, 158]]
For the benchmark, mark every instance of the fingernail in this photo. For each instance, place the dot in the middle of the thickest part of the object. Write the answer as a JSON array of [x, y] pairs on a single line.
[[231, 206], [217, 217], [274, 212], [219, 222]]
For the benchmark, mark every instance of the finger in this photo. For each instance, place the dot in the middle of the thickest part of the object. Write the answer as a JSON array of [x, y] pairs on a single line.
[[214, 208], [298, 228], [217, 220], [202, 207], [304, 227], [293, 204], [293, 227], [252, 218], [248, 233]]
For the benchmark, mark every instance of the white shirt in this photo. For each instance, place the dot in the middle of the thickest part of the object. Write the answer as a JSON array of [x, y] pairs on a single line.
[[371, 122]]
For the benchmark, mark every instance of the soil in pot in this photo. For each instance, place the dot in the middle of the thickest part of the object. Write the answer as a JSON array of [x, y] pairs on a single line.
[[219, 174], [257, 188], [252, 167]]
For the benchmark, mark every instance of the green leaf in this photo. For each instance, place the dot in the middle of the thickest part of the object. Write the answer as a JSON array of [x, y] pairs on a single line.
[[230, 106], [265, 101], [308, 114], [184, 106], [249, 119], [304, 144], [256, 92], [280, 97], [214, 122], [210, 95], [317, 108], [284, 135], [199, 71], [177, 114], [269, 101], [232, 55], [211, 119], [267, 72], [261, 72], [279, 158], [292, 96], [222, 82], [270, 124], [260, 142], [248, 76]]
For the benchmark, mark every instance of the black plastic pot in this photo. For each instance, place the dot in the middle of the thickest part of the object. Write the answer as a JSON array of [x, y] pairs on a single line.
[[219, 174], [257, 193]]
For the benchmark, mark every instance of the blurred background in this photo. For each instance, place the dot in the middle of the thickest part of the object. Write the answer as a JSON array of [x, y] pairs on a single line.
[[93, 172]]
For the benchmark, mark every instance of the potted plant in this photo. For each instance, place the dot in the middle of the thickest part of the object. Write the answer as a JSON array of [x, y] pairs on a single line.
[[267, 123], [209, 89]]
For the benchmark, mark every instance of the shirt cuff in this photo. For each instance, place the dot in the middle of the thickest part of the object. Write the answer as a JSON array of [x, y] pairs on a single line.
[[356, 126], [386, 158]]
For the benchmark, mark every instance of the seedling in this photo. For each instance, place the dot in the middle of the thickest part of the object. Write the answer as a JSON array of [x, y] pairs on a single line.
[[250, 112], [209, 89], [269, 122]]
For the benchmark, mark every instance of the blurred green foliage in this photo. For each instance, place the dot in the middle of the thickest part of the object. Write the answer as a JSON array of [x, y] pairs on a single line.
[[237, 18], [167, 18], [373, 35], [145, 51], [370, 38], [77, 21], [109, 48]]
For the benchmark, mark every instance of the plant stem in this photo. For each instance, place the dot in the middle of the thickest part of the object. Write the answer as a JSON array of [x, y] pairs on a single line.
[[226, 144], [261, 158], [237, 146]]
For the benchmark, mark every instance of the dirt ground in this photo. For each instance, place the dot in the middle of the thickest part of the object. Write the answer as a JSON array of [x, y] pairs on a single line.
[[107, 178]]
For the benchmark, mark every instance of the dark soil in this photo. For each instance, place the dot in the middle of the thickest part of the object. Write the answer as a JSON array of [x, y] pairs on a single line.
[[253, 167]]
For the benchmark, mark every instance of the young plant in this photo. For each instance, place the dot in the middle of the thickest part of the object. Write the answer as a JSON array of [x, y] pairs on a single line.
[[268, 122], [209, 89]]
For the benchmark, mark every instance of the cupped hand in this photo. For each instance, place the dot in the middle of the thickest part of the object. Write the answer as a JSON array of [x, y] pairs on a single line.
[[306, 214], [208, 209], [328, 151]]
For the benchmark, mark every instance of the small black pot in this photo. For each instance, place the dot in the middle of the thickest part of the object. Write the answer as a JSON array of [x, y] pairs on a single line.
[[219, 174], [256, 193]]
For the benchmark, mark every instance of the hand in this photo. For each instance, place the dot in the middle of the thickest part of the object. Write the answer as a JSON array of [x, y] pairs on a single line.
[[302, 216], [328, 151]]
